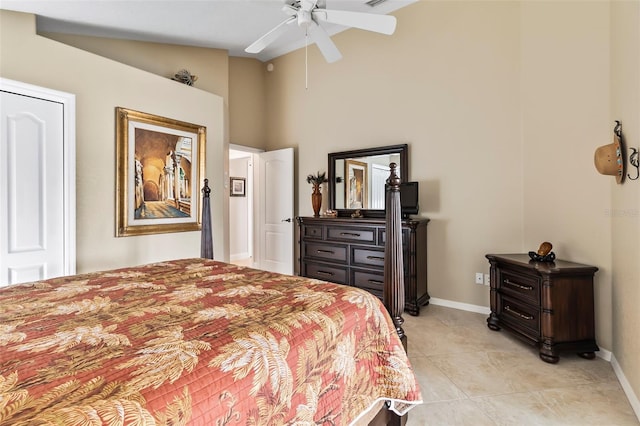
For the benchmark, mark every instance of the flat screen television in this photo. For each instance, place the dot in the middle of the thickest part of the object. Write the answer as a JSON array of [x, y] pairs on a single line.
[[409, 198]]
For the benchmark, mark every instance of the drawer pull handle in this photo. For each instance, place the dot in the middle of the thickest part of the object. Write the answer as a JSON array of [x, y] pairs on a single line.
[[519, 314], [375, 257], [375, 282], [324, 251], [350, 234], [330, 274], [523, 287]]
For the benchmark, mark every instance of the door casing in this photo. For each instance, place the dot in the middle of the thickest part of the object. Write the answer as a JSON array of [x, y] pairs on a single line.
[[67, 101]]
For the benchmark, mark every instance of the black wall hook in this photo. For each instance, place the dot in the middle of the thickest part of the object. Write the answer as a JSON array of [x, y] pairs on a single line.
[[633, 160], [618, 129]]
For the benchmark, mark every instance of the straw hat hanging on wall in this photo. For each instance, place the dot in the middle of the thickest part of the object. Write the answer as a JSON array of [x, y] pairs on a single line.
[[609, 159]]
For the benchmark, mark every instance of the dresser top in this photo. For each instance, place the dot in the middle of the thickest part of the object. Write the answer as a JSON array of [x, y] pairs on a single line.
[[556, 267], [354, 221]]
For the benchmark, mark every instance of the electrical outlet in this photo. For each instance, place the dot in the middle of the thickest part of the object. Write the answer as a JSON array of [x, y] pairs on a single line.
[[479, 278], [487, 279]]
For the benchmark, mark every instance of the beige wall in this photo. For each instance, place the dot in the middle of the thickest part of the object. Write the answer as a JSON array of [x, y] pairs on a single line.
[[100, 85], [447, 83], [503, 105], [210, 65], [565, 117], [239, 79], [247, 102], [624, 212]]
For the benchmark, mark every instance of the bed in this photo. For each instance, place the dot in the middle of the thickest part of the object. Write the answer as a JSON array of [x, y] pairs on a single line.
[[202, 342]]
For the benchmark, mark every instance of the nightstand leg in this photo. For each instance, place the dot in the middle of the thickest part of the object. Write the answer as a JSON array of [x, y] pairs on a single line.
[[587, 355], [548, 352], [551, 359]]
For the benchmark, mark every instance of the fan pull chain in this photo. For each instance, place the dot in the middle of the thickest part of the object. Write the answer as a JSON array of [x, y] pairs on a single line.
[[306, 46]]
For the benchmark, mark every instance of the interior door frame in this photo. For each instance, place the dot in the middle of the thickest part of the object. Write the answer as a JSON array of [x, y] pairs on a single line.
[[68, 102], [251, 154]]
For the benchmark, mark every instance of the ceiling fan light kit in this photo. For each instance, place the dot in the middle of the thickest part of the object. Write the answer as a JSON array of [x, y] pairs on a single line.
[[310, 13]]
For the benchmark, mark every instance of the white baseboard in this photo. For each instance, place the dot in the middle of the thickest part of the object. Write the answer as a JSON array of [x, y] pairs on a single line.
[[602, 353], [628, 390], [462, 306], [239, 256]]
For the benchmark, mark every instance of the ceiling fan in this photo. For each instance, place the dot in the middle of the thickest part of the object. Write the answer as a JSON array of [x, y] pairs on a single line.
[[308, 14]]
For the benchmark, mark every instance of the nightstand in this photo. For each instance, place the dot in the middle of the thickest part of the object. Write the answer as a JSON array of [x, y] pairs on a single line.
[[546, 304]]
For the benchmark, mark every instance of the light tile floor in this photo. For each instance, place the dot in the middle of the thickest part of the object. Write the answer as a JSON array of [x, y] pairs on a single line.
[[470, 375]]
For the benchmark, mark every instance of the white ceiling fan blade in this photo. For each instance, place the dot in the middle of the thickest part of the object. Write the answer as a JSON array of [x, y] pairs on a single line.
[[322, 39], [258, 45], [385, 24], [289, 10]]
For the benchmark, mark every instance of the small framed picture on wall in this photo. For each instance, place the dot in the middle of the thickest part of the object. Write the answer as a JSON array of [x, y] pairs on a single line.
[[238, 187]]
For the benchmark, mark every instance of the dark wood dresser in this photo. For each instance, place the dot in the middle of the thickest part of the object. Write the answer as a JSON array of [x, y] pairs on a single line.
[[351, 251], [547, 304]]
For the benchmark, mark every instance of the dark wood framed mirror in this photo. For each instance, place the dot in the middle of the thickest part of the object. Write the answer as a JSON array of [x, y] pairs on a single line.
[[357, 178]]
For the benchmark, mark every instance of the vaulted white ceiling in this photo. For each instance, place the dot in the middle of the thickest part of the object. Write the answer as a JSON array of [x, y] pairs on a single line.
[[222, 24]]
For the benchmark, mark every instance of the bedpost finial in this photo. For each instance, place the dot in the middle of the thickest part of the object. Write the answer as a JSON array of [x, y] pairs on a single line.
[[206, 190], [206, 236], [393, 180]]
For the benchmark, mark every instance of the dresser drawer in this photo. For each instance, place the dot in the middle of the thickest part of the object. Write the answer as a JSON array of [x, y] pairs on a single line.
[[525, 287], [332, 252], [521, 316], [333, 273], [313, 232], [351, 251], [362, 256], [351, 234], [370, 281], [382, 238]]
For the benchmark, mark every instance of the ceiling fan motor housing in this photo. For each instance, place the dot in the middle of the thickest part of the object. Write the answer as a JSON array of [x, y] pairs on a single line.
[[304, 18]]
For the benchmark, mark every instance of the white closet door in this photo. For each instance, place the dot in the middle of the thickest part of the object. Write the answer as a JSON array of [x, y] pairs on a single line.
[[32, 223]]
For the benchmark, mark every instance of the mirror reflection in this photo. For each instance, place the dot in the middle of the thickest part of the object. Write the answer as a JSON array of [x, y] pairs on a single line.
[[361, 181]]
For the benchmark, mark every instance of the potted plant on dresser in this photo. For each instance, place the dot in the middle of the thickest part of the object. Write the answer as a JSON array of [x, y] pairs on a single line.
[[316, 196]]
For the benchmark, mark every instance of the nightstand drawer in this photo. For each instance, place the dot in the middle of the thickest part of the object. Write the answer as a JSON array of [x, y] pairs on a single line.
[[521, 286], [351, 234], [335, 274], [333, 252], [367, 257], [520, 315]]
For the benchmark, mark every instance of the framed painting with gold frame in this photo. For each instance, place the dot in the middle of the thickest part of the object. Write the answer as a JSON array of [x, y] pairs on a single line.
[[356, 184], [160, 165]]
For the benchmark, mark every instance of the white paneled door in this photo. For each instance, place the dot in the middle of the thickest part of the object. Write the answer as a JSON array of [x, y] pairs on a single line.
[[275, 213], [36, 210]]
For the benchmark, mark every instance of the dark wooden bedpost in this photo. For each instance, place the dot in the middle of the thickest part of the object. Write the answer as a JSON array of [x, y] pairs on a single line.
[[206, 238], [393, 293]]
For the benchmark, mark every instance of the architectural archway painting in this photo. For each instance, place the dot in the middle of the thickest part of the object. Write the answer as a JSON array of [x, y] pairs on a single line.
[[163, 160], [164, 173]]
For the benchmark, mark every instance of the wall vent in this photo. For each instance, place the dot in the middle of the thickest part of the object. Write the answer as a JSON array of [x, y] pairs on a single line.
[[374, 3]]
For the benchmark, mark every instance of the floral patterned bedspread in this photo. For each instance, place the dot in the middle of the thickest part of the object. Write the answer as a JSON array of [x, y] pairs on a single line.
[[196, 342]]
